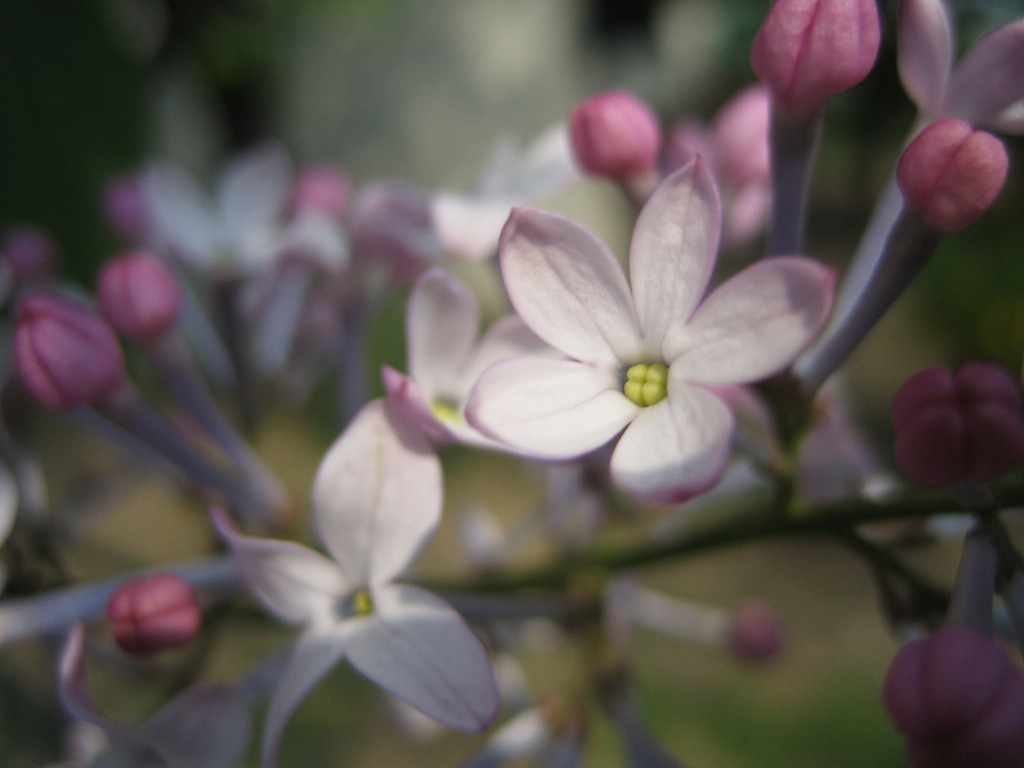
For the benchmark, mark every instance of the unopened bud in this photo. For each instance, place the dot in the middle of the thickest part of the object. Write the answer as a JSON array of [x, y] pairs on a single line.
[[740, 138], [125, 208], [809, 50], [31, 252], [154, 613], [66, 354], [756, 632], [615, 135], [139, 296], [951, 428], [952, 173], [322, 189]]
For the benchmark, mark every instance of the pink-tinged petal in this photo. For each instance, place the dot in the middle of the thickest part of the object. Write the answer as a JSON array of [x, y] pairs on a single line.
[[442, 323], [508, 337], [569, 288], [755, 323], [72, 689], [294, 582], [254, 191], [676, 449], [313, 656], [674, 246], [553, 409], [420, 649], [925, 52], [469, 227], [406, 399], [206, 726], [990, 78], [377, 495], [181, 212]]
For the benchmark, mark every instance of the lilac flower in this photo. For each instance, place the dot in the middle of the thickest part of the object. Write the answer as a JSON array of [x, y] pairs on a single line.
[[206, 726], [644, 357], [376, 499]]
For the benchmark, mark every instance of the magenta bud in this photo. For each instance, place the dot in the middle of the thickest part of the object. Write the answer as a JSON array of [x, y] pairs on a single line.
[[66, 354], [322, 189], [125, 208], [958, 699], [615, 135], [808, 50], [139, 295], [154, 613], [952, 173], [31, 252], [756, 632], [951, 428]]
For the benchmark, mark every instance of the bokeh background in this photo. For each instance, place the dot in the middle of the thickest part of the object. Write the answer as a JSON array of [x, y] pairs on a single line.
[[420, 91]]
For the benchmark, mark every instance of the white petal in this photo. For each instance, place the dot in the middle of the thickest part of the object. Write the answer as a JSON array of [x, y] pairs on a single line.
[[569, 288], [468, 226], [253, 191], [377, 495], [419, 648], [508, 337], [406, 400], [313, 656], [206, 726], [674, 449], [442, 323], [546, 165], [756, 323], [672, 253], [72, 689], [990, 78], [296, 583], [925, 52], [555, 409], [182, 214]]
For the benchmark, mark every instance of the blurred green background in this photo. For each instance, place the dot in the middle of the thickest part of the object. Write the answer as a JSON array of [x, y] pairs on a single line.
[[420, 90]]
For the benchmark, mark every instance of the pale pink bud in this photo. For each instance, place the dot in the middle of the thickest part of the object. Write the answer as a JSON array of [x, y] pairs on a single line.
[[615, 135], [951, 428], [154, 613], [808, 50], [958, 699], [740, 138], [125, 208], [756, 632], [31, 252], [322, 189], [952, 173], [66, 354], [686, 141], [139, 295]]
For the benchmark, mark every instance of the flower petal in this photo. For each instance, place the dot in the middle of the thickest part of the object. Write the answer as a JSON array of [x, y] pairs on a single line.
[[925, 52], [377, 495], [508, 337], [294, 582], [469, 226], [72, 689], [182, 217], [672, 253], [989, 79], [253, 191], [568, 287], [313, 656], [677, 448], [755, 323], [206, 726], [442, 323], [406, 399], [554, 409], [419, 648]]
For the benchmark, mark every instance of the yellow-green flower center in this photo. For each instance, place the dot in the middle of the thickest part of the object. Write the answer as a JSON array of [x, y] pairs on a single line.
[[646, 384], [362, 603], [445, 411]]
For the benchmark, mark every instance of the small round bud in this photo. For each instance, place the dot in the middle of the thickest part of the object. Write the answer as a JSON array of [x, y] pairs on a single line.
[[66, 354], [958, 699], [125, 208], [323, 189], [952, 173], [809, 50], [139, 296], [756, 632], [154, 613], [31, 252], [951, 428], [615, 135], [740, 138]]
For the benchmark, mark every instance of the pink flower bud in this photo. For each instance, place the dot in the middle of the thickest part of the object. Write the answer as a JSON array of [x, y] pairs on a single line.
[[808, 50], [740, 138], [322, 189], [958, 699], [756, 632], [685, 142], [615, 135], [139, 295], [154, 613], [66, 354], [951, 428], [952, 173], [125, 208], [31, 252]]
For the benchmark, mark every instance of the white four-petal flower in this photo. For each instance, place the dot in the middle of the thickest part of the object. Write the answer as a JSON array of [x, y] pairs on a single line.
[[653, 334], [377, 499]]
